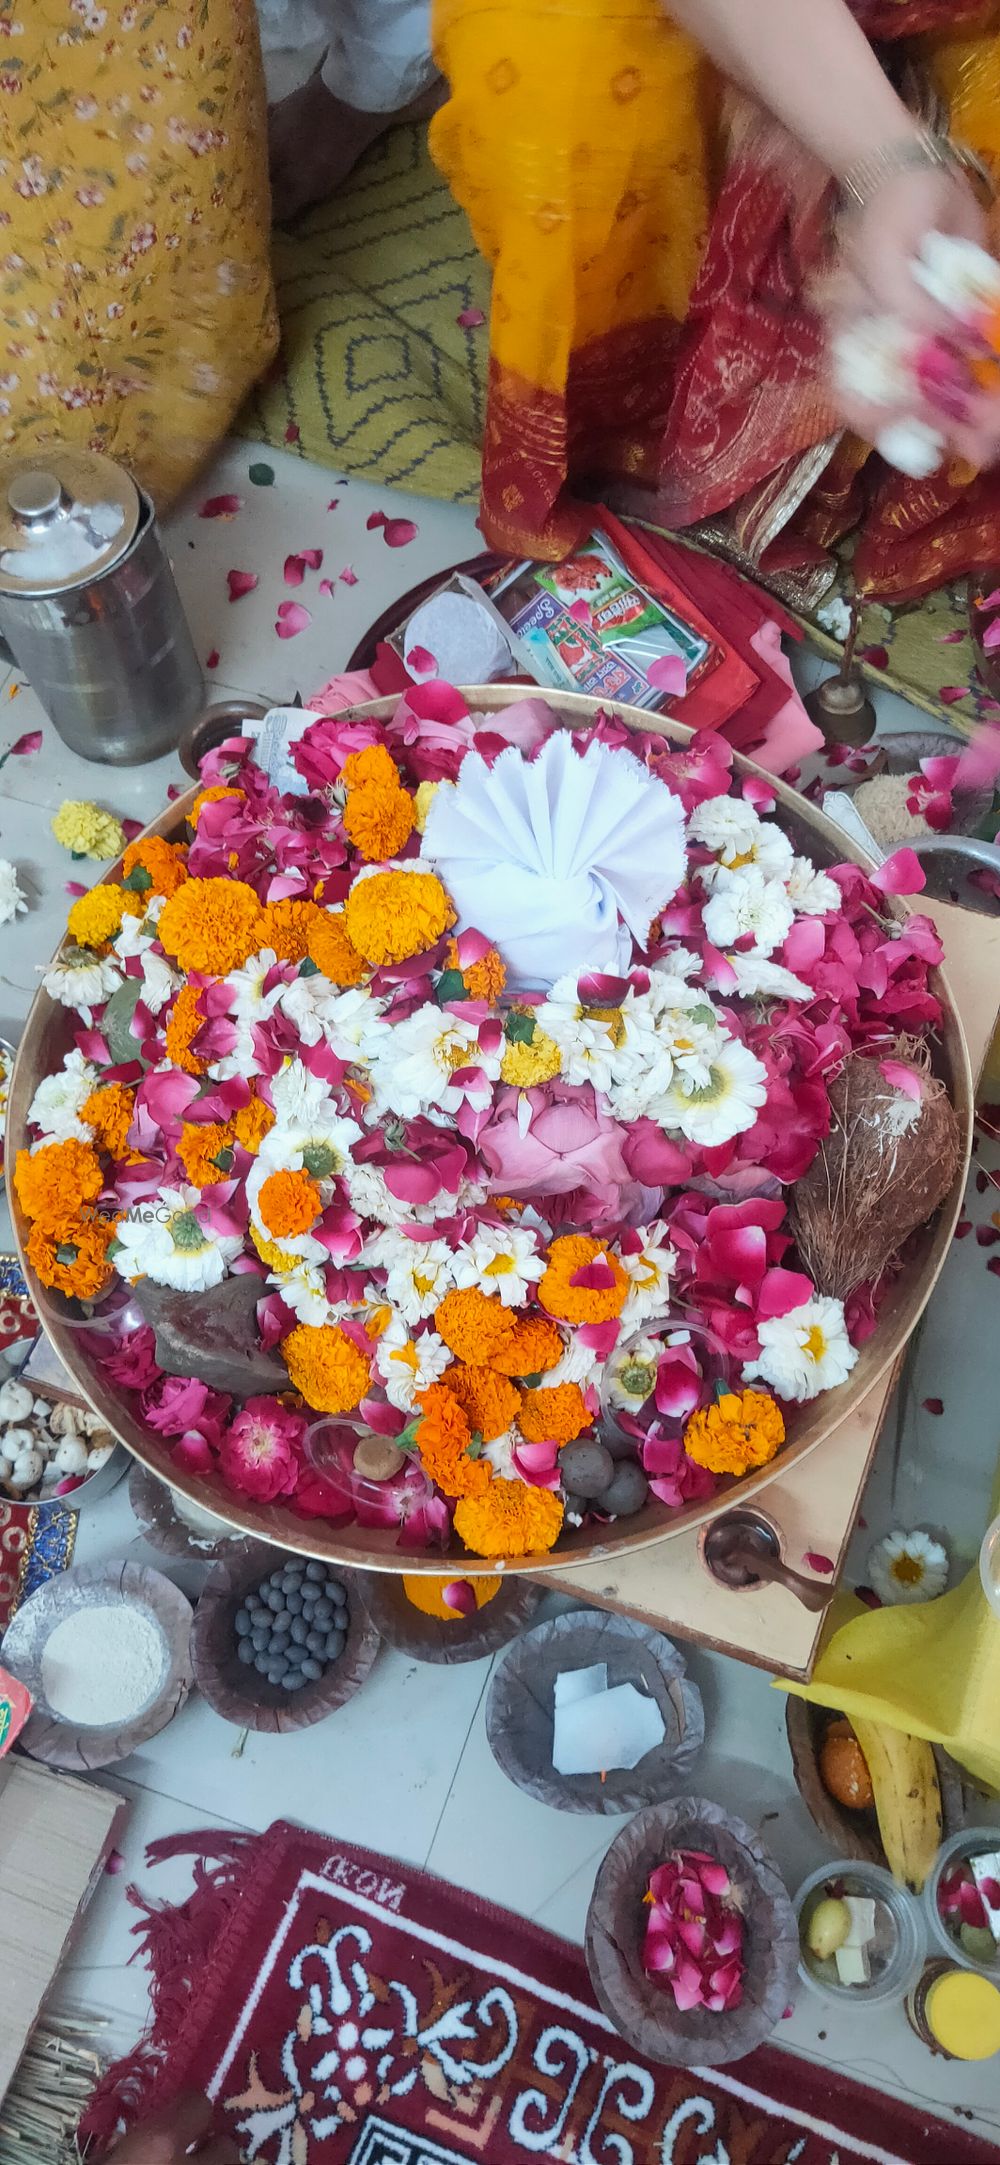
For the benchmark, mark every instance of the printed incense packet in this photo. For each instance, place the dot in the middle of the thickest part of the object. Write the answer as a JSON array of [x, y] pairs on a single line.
[[587, 625]]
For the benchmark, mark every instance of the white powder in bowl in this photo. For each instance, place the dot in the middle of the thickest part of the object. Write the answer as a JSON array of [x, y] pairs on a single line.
[[101, 1666]]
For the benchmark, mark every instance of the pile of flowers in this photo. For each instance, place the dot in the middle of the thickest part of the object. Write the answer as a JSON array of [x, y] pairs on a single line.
[[475, 1217], [694, 1932]]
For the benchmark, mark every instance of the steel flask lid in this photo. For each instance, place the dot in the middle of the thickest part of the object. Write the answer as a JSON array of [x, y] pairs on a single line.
[[66, 516]]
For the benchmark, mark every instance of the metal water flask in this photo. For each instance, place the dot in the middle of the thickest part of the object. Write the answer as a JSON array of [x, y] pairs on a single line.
[[89, 608]]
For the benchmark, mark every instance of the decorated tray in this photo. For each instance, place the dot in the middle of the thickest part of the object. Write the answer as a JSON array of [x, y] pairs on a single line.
[[475, 1133]]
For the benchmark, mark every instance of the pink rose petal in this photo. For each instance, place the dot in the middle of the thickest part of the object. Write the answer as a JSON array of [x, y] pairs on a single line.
[[952, 638], [933, 1405], [221, 507], [292, 618], [669, 674], [991, 637], [325, 586], [332, 505], [460, 1596], [240, 583], [130, 828], [580, 611], [74, 887], [292, 433], [470, 319], [395, 532], [952, 693], [348, 577], [295, 570], [30, 742], [901, 874], [904, 1079], [423, 661], [817, 1562], [212, 659]]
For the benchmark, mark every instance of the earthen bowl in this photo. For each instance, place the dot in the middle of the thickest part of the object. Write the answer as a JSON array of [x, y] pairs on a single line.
[[236, 1691]]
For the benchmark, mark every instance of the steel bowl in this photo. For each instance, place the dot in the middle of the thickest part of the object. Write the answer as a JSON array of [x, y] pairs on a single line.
[[45, 1040]]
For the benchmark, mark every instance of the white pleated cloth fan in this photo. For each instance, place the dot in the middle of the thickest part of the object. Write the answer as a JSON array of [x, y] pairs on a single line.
[[559, 860]]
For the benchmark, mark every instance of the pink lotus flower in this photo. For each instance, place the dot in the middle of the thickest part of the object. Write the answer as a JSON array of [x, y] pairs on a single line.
[[260, 1454], [568, 1143], [694, 1932]]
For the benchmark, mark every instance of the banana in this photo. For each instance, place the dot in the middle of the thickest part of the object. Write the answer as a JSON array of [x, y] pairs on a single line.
[[907, 1799]]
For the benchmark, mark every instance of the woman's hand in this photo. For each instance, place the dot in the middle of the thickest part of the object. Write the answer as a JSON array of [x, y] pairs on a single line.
[[181, 2135]]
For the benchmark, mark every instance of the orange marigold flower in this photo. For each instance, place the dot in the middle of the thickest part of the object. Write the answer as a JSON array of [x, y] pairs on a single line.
[[510, 1519], [252, 1123], [474, 1326], [393, 915], [325, 1365], [212, 795], [569, 1255], [200, 1148], [554, 1416], [286, 927], [72, 1257], [97, 916], [378, 820], [374, 763], [183, 1024], [164, 864], [289, 1203], [534, 1348], [743, 1429], [443, 1437], [211, 925], [54, 1183], [109, 1112], [489, 1402], [332, 951], [484, 980]]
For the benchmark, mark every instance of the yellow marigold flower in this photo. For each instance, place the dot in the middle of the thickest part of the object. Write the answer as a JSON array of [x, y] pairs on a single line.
[[484, 980], [554, 1416], [474, 1326], [183, 1024], [525, 1065], [443, 1437], [423, 799], [164, 864], [252, 1123], [199, 1148], [268, 1250], [581, 1304], [287, 926], [73, 1257], [488, 1400], [108, 1111], [743, 1429], [332, 951], [211, 925], [84, 828], [212, 795], [96, 917], [510, 1519], [289, 1203], [326, 1367], [393, 915], [378, 820], [53, 1184], [534, 1348]]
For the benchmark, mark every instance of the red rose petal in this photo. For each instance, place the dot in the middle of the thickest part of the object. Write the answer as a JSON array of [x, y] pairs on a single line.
[[173, 792], [348, 577], [292, 433], [951, 693], [130, 828], [240, 583], [933, 1405], [877, 657], [325, 586], [292, 618], [220, 507], [295, 570], [374, 519], [963, 1227], [950, 638], [30, 742], [470, 319], [332, 505], [868, 1595], [395, 532], [820, 1563], [423, 661], [212, 659], [994, 1265], [987, 1236]]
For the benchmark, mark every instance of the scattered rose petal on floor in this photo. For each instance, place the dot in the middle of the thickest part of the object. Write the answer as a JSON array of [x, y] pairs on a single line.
[[326, 586], [261, 474], [994, 1265], [982, 1182], [470, 319], [817, 1562], [130, 828], [220, 507], [868, 1595], [30, 742], [933, 1405], [348, 577], [395, 532], [240, 583], [877, 657], [312, 558], [901, 874], [295, 570], [374, 519], [73, 887], [292, 618], [173, 792], [963, 1227], [332, 505], [422, 660], [952, 693], [212, 659], [292, 433], [115, 1863], [987, 1236], [950, 638]]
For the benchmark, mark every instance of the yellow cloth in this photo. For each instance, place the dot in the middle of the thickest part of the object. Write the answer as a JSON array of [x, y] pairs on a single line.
[[136, 303], [931, 1668]]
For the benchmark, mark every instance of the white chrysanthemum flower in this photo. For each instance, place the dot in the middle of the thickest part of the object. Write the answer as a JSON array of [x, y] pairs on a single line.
[[738, 837], [412, 1064], [500, 1453], [418, 1272], [135, 935], [578, 1365], [757, 977], [13, 900], [323, 1012], [811, 892], [960, 275], [408, 1364], [650, 1271], [630, 1373], [159, 981], [298, 1096], [303, 1290], [908, 1567], [725, 1106], [804, 1352], [370, 1197], [499, 1259], [59, 1101], [163, 1239], [82, 980], [744, 901]]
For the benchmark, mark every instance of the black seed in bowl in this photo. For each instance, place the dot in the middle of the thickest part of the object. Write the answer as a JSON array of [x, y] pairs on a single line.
[[292, 1627]]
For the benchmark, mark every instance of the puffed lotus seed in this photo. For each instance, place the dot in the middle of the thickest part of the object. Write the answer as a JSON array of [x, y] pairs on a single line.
[[27, 1469], [64, 1420], [70, 1456], [15, 1401], [98, 1456]]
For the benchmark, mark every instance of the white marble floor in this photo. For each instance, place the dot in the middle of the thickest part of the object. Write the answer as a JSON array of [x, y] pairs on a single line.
[[406, 1767]]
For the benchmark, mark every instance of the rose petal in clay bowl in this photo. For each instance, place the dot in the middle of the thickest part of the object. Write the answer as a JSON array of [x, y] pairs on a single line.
[[104, 1652], [861, 1936]]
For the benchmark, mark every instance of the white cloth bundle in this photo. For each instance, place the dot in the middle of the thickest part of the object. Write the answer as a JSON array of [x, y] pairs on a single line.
[[547, 856]]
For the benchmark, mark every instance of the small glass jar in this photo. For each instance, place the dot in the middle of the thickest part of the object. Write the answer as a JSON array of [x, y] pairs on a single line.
[[900, 1944], [980, 1952], [634, 1367], [955, 2014]]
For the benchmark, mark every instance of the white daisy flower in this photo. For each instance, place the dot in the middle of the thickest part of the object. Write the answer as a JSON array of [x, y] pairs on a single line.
[[303, 1290], [650, 1271], [82, 980], [587, 1042], [745, 901], [163, 1239], [59, 1101], [578, 1365], [411, 1066], [757, 977], [499, 1259], [13, 900], [908, 1567], [135, 935], [418, 1272], [725, 1106], [407, 1364], [297, 1095], [323, 1150], [810, 892], [630, 1374], [804, 1352], [249, 1002]]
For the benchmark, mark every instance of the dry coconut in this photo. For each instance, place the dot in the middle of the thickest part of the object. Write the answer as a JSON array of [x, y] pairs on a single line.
[[889, 1160]]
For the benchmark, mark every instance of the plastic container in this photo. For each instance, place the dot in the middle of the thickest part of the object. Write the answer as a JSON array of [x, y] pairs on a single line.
[[634, 1361], [895, 1969], [956, 2015], [968, 1842]]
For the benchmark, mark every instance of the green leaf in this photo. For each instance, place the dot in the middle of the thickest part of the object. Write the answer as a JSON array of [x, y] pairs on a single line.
[[116, 1022], [308, 968], [139, 880], [703, 1014], [450, 986], [531, 1383], [224, 1161], [519, 1029], [66, 1253], [78, 855], [407, 1438], [476, 1445], [261, 474]]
